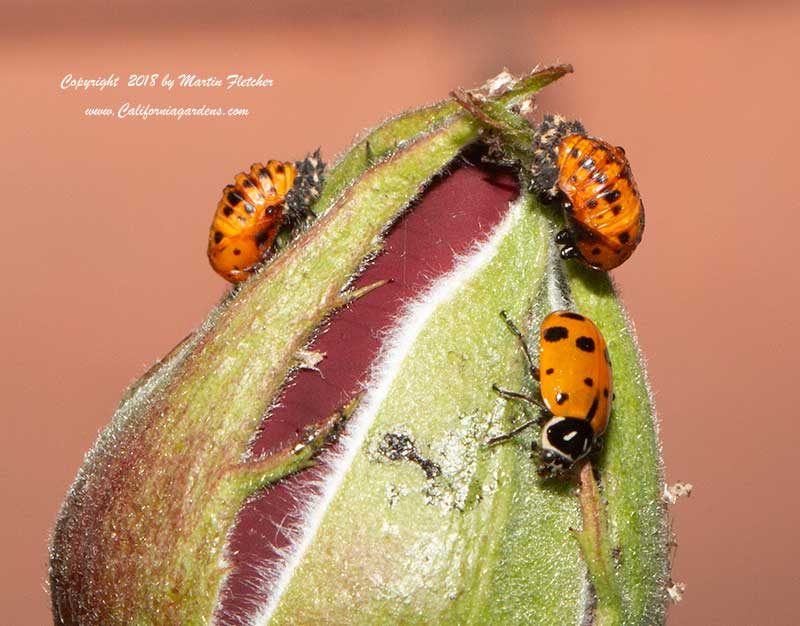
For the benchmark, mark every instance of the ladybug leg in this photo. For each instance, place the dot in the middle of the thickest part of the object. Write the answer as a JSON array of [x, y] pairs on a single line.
[[570, 252], [518, 334], [516, 395], [564, 238], [510, 435]]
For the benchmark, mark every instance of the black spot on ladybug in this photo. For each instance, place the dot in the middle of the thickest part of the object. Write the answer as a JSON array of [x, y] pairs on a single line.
[[624, 238], [616, 209], [573, 316], [574, 153], [595, 251], [218, 237], [262, 237], [585, 343], [234, 198], [236, 251], [588, 382], [549, 370], [593, 409], [605, 392], [588, 163], [555, 333], [612, 196], [227, 211], [561, 397], [592, 203], [249, 208]]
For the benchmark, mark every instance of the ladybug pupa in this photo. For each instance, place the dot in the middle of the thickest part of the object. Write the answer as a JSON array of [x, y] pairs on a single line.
[[603, 209], [253, 210]]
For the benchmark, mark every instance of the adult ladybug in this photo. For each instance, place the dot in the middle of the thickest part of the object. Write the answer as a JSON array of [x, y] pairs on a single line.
[[254, 209], [602, 205], [576, 390]]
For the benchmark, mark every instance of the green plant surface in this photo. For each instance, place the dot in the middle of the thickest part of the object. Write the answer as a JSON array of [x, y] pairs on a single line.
[[142, 536], [482, 539], [630, 464]]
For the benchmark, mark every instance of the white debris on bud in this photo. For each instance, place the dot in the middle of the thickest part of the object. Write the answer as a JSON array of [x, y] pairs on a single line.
[[501, 83], [675, 591], [527, 109], [675, 491], [308, 359]]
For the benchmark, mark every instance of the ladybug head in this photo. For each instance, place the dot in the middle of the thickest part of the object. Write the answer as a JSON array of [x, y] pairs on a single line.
[[565, 440]]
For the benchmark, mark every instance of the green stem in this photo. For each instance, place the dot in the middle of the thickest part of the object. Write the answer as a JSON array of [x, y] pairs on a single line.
[[596, 547]]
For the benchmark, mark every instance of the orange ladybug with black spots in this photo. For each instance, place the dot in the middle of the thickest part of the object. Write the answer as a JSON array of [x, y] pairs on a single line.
[[576, 390]]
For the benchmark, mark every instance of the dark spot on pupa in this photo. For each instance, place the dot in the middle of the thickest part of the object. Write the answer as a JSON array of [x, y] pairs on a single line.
[[605, 392], [574, 153], [561, 397], [588, 382], [549, 370], [555, 333], [573, 316], [279, 168], [234, 198], [227, 211], [218, 237], [612, 196], [247, 183], [262, 237], [595, 251], [616, 209], [592, 203], [624, 238], [236, 251], [585, 343]]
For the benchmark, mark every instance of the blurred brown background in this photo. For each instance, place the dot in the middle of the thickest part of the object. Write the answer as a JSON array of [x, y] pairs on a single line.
[[105, 226]]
